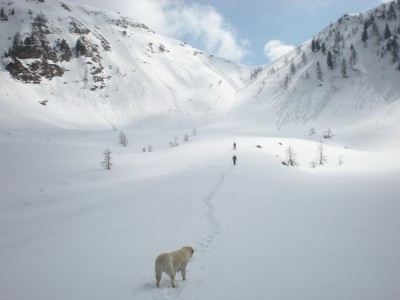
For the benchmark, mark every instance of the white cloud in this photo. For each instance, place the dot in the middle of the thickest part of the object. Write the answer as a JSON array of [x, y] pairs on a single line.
[[275, 49], [197, 24]]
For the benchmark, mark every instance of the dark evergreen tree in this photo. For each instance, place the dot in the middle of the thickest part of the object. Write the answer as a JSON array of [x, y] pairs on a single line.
[[313, 45], [329, 60], [364, 37], [3, 16], [388, 46], [387, 33], [343, 68], [80, 48], [323, 48], [353, 56], [383, 14], [375, 31], [395, 50], [391, 14], [317, 46], [336, 44], [30, 40], [292, 68], [17, 40], [66, 51], [319, 72]]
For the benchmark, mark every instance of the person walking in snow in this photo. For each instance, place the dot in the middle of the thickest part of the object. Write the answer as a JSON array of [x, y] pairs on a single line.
[[234, 146], [234, 158]]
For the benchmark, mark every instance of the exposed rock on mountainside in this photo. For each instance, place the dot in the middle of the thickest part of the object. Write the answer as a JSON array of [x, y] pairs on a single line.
[[97, 63]]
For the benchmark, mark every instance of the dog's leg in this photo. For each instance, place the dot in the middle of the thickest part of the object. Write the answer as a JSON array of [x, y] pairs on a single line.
[[183, 272], [158, 278], [172, 275]]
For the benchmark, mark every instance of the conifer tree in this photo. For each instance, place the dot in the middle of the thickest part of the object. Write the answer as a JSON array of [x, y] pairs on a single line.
[[391, 15], [323, 48], [387, 32], [292, 68], [17, 40], [3, 16], [364, 37], [319, 72], [375, 31], [304, 58], [106, 163], [353, 56], [317, 46], [329, 60], [343, 68], [395, 51], [66, 51]]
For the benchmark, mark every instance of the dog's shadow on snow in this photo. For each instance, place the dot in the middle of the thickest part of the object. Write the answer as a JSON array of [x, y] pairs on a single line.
[[165, 284], [165, 291]]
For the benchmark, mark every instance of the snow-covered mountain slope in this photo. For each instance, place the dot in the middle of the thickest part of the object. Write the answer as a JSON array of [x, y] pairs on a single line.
[[348, 72], [78, 66], [89, 67]]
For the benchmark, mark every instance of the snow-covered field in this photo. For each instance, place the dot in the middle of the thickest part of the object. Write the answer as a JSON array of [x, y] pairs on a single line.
[[70, 230], [261, 230]]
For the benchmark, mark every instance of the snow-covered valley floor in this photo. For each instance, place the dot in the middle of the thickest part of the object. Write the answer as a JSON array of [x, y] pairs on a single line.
[[260, 230]]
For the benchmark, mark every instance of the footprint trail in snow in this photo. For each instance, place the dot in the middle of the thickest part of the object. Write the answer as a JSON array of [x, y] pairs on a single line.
[[205, 244]]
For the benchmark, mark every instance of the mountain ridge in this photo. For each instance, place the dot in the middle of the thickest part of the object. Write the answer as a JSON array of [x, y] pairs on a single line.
[[102, 68]]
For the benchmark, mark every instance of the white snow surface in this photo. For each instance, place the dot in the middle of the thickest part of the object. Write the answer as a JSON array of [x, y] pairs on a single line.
[[261, 230]]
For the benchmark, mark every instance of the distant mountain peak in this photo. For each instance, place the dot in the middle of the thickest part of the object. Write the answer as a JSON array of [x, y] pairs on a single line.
[[108, 68]]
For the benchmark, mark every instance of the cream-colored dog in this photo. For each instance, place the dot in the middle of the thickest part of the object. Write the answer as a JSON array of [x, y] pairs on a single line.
[[173, 262]]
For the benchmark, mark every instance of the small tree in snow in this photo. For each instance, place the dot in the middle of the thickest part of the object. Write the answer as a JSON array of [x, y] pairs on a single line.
[[329, 60], [304, 58], [340, 161], [319, 73], [343, 68], [122, 139], [328, 134], [290, 156], [149, 148], [106, 163], [321, 153], [194, 132], [292, 68], [286, 81], [174, 143], [186, 138], [353, 56], [3, 16], [312, 131]]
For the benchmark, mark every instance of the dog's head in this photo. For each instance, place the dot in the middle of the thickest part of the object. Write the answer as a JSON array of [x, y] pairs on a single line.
[[189, 249]]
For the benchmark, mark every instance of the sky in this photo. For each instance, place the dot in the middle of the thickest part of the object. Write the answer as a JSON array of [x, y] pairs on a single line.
[[251, 32]]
